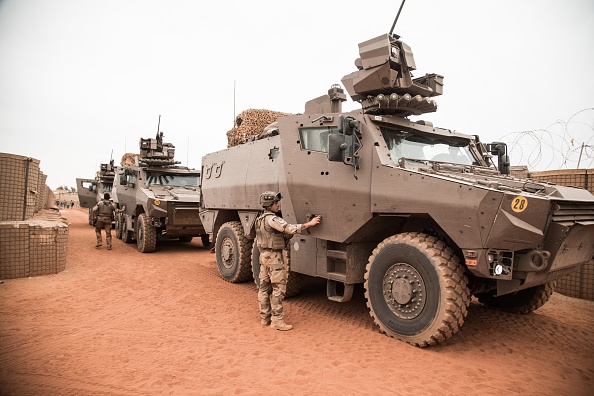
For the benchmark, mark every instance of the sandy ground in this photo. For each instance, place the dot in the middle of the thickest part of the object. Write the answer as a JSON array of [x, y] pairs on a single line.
[[124, 323]]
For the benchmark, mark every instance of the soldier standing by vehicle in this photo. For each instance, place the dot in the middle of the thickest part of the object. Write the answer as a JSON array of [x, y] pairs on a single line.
[[103, 213], [272, 235]]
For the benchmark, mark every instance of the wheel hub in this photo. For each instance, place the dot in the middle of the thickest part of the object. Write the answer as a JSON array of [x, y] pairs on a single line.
[[404, 291], [227, 253]]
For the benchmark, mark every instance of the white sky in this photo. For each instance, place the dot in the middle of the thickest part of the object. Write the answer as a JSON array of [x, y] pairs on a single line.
[[80, 78]]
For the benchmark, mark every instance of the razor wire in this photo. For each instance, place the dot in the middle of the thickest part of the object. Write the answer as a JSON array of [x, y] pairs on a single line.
[[561, 145]]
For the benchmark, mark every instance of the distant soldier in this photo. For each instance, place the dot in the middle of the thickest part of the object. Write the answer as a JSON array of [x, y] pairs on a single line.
[[103, 213], [272, 235]]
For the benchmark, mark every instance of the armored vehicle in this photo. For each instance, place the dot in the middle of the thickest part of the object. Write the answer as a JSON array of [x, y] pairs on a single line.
[[159, 199], [423, 217], [91, 191]]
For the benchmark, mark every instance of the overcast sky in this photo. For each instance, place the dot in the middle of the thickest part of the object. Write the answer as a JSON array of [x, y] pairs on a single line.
[[80, 79]]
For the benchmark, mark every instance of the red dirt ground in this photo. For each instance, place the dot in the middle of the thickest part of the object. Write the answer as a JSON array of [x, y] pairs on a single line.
[[124, 323]]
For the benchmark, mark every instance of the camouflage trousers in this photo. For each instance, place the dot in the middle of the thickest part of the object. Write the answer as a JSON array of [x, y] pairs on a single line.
[[106, 225], [273, 283]]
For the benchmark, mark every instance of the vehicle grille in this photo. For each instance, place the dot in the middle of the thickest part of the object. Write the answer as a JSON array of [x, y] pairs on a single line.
[[570, 212]]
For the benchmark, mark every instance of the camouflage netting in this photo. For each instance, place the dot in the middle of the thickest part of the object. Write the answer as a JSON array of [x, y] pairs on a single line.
[[251, 123], [129, 159], [33, 238]]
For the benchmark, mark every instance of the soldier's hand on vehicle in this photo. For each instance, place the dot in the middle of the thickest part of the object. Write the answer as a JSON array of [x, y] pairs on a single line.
[[315, 221]]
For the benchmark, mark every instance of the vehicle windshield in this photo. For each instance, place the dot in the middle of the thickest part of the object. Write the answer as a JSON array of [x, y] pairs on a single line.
[[169, 179], [403, 144]]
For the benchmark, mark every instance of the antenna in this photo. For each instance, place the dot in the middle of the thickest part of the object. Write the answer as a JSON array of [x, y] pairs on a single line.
[[397, 15], [234, 113]]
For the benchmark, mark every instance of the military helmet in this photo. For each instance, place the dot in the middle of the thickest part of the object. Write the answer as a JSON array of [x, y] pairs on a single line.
[[268, 198]]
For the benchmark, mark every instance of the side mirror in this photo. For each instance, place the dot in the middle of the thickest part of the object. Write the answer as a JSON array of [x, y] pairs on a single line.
[[347, 125], [500, 150], [336, 147]]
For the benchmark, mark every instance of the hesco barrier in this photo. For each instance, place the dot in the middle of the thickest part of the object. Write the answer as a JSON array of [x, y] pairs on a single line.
[[33, 247], [583, 178], [22, 187], [579, 284], [32, 240]]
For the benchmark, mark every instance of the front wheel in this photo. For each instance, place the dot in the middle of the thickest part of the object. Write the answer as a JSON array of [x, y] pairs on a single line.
[[416, 289], [233, 251], [520, 302], [294, 279], [146, 236]]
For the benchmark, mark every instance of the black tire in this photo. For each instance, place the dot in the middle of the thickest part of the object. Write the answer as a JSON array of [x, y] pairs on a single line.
[[205, 238], [431, 297], [118, 226], [127, 236], [233, 251], [521, 302], [146, 236], [185, 238], [294, 280]]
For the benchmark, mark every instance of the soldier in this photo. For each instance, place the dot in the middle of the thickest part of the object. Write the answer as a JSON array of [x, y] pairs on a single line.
[[272, 235], [102, 217]]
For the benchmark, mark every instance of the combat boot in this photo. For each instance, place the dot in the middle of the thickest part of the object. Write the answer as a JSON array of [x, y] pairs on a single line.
[[279, 324], [108, 247], [265, 321], [98, 244]]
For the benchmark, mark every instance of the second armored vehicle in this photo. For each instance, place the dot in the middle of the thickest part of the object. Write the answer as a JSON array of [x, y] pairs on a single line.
[[160, 200], [91, 191]]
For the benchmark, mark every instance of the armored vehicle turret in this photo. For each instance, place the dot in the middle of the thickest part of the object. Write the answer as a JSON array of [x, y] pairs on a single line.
[[160, 199]]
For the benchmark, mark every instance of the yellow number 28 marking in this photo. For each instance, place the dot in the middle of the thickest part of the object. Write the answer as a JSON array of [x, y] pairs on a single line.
[[519, 204]]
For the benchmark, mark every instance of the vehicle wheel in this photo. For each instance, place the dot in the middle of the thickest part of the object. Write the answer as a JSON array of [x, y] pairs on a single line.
[[416, 289], [146, 236], [520, 302], [118, 226], [127, 236], [205, 241], [294, 279], [185, 238], [233, 251]]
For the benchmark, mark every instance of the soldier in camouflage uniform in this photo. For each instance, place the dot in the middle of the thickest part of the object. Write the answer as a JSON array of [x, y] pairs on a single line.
[[272, 235], [103, 213]]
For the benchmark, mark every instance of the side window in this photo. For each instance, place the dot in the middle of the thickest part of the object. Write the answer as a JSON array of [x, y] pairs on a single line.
[[131, 177], [316, 139], [88, 185]]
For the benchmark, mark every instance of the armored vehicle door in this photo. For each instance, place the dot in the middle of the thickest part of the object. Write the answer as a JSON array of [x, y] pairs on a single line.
[[87, 192], [125, 186]]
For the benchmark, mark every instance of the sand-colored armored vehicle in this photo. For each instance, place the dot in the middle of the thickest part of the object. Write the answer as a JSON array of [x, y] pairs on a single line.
[[424, 217], [91, 191], [160, 199]]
